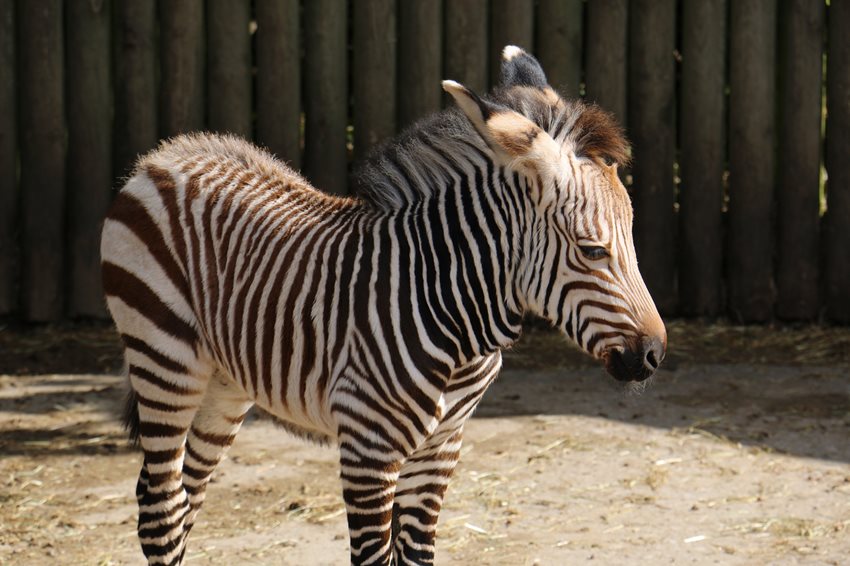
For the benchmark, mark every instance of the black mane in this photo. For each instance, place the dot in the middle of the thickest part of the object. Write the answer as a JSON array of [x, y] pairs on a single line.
[[412, 165]]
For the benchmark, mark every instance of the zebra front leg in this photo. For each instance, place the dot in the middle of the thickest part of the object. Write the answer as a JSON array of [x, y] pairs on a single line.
[[422, 484], [212, 432]]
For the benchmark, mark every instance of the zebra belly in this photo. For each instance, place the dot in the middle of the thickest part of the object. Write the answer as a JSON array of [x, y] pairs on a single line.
[[297, 402]]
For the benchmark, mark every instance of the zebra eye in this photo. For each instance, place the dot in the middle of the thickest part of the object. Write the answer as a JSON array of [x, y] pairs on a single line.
[[594, 252]]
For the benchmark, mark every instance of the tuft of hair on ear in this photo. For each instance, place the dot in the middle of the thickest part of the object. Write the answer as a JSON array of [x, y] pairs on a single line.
[[521, 69], [599, 137]]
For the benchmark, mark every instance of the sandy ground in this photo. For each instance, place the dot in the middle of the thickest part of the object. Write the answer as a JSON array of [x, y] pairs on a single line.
[[730, 463]]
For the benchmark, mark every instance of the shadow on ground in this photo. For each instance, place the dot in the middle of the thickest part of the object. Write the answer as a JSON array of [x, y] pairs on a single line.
[[803, 411], [793, 404]]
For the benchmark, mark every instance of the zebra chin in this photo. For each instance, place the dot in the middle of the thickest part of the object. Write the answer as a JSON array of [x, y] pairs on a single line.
[[626, 366]]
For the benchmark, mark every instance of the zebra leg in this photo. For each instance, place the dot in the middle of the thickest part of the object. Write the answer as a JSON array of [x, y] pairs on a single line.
[[167, 393], [422, 483], [368, 484], [212, 432]]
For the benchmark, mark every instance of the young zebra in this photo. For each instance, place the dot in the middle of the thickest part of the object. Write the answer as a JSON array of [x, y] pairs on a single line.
[[375, 322]]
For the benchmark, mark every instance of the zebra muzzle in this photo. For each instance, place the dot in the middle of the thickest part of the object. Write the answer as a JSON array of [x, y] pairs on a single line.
[[635, 364]]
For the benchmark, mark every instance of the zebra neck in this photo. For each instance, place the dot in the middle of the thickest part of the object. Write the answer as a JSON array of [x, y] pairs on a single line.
[[445, 266]]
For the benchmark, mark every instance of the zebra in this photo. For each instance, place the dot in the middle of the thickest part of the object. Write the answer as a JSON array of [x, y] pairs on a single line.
[[374, 322]]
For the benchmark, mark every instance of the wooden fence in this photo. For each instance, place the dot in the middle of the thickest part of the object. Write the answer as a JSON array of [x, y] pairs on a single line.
[[725, 103]]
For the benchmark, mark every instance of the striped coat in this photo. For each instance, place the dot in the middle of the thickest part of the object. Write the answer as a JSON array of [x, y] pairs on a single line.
[[374, 322]]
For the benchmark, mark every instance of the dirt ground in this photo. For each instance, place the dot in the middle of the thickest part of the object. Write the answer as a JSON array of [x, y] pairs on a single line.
[[737, 453]]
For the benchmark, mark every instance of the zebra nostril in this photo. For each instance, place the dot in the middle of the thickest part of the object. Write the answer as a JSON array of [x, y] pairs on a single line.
[[651, 362], [653, 349]]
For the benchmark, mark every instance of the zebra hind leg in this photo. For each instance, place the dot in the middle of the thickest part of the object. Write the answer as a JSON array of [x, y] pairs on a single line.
[[168, 391], [368, 485], [212, 432], [422, 484]]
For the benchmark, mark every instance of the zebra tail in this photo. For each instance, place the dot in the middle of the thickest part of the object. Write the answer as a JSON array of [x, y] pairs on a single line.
[[131, 417]]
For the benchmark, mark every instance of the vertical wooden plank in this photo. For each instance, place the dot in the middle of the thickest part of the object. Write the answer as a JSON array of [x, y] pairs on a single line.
[[181, 35], [278, 54], [8, 162], [374, 73], [135, 127], [836, 236], [559, 43], [607, 55], [752, 159], [229, 67], [511, 23], [799, 159], [420, 59], [42, 129], [466, 23], [653, 128], [326, 94], [88, 48], [702, 156]]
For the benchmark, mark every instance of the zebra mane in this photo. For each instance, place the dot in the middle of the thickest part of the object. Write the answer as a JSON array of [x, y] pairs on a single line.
[[200, 146], [412, 166]]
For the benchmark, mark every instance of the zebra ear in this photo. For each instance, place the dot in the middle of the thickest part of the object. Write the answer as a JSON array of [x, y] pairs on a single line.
[[477, 110], [510, 134], [521, 69]]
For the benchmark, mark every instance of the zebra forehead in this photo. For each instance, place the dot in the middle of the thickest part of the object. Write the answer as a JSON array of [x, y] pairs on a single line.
[[602, 189], [589, 130]]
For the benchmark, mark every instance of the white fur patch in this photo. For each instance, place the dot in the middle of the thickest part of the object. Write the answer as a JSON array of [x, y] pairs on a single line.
[[510, 52]]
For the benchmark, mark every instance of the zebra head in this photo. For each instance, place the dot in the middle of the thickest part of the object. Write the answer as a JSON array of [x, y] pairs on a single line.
[[577, 266]]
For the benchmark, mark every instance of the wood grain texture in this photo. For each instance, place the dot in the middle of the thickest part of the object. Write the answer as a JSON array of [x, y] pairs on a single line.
[[703, 155], [420, 59], [559, 40], [229, 67], [9, 194], [799, 159], [606, 66], [374, 73], [181, 33], [466, 48], [42, 154], [89, 91], [652, 126], [836, 235], [278, 82], [511, 23], [326, 94], [135, 89], [752, 161]]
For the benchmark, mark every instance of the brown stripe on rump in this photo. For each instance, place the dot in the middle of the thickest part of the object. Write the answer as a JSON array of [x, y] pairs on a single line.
[[130, 212], [230, 275], [164, 183], [120, 283], [160, 382], [191, 193], [213, 314], [154, 355]]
